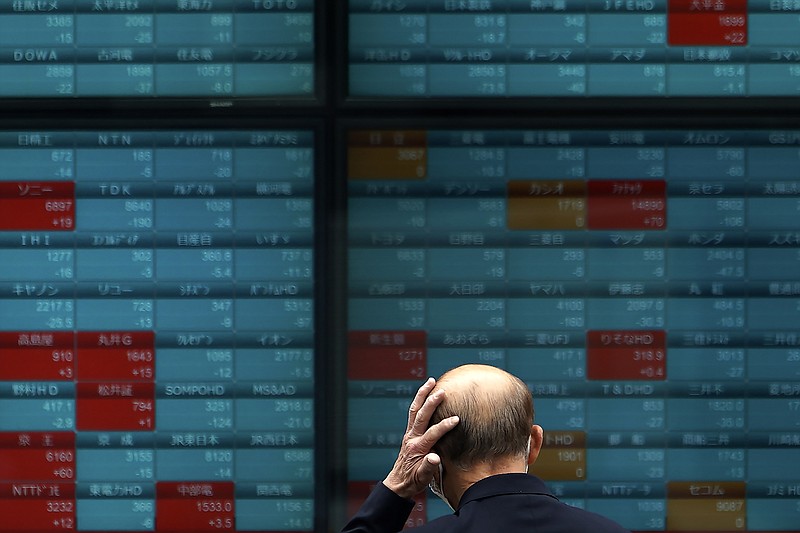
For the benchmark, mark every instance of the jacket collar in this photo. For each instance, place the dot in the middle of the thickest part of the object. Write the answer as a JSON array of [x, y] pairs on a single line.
[[505, 484]]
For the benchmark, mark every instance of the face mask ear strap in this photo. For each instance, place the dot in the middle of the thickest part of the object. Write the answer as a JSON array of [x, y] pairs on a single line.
[[528, 454], [438, 487]]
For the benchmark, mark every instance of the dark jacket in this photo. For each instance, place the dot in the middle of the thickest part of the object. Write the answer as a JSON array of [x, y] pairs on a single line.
[[505, 503]]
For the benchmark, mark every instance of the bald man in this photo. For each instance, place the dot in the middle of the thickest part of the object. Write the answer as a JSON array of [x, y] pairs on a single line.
[[470, 437]]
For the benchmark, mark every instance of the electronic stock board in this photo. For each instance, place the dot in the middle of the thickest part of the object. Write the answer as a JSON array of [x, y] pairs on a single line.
[[644, 283], [417, 49], [154, 49], [156, 294]]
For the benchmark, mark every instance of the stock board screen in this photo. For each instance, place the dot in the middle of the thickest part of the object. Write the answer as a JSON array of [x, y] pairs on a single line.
[[150, 48], [573, 48], [157, 332], [644, 283]]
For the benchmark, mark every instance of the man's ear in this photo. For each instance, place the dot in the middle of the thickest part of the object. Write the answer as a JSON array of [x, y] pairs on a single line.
[[537, 438]]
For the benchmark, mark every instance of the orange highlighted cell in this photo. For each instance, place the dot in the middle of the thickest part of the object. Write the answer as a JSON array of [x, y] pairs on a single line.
[[387, 138], [387, 154], [546, 205], [706, 506], [563, 456], [381, 163]]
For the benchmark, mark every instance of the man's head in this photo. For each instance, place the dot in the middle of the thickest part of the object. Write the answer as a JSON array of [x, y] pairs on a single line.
[[496, 413]]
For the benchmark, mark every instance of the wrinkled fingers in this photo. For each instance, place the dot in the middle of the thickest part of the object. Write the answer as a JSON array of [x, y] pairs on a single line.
[[418, 403]]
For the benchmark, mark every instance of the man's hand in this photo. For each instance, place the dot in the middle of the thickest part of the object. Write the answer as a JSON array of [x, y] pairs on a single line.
[[416, 464]]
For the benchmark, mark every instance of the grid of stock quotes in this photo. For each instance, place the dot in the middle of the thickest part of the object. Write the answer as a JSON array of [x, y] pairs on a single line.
[[157, 332], [573, 48], [643, 283], [152, 48]]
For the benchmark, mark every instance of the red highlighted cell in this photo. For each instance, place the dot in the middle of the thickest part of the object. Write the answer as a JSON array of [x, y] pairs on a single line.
[[624, 204], [116, 356], [35, 506], [37, 456], [707, 29], [707, 6], [387, 355], [707, 23], [39, 356], [357, 492], [40, 205], [115, 406], [195, 506], [626, 355]]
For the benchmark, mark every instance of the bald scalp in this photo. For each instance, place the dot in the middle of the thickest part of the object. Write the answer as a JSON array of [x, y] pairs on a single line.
[[495, 410]]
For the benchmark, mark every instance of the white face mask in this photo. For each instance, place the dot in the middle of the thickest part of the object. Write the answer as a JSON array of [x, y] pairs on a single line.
[[438, 487]]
